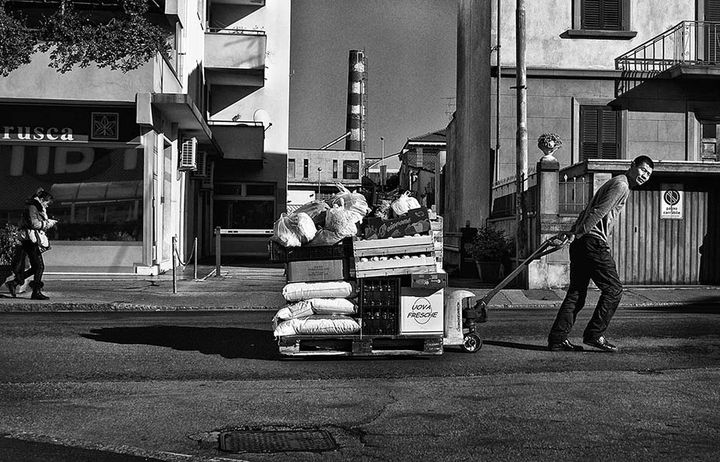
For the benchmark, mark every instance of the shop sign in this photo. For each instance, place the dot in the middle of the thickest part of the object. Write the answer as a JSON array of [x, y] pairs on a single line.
[[71, 124], [671, 202]]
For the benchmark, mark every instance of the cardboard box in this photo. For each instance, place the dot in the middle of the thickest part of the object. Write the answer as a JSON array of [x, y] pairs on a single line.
[[421, 311], [436, 281], [416, 221], [317, 271]]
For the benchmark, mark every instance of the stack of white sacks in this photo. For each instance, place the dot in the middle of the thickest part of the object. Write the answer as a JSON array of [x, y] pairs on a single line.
[[318, 308]]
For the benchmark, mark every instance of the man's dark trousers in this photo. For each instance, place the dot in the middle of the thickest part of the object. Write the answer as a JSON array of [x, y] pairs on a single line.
[[589, 259]]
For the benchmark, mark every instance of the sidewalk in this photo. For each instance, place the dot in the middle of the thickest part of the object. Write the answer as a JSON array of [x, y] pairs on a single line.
[[259, 287]]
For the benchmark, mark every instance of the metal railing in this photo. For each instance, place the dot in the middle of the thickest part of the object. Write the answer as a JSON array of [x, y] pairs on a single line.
[[687, 43], [503, 194], [574, 194]]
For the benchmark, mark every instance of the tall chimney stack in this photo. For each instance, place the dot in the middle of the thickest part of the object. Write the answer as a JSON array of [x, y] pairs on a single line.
[[357, 101]]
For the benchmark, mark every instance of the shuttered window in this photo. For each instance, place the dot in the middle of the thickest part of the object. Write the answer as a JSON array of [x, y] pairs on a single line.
[[711, 31], [599, 132], [601, 14]]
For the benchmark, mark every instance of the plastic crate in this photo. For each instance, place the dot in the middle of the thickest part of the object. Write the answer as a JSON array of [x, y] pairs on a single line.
[[341, 250], [379, 303]]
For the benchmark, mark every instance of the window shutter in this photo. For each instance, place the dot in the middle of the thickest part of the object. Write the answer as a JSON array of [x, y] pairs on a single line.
[[599, 133], [602, 14], [588, 133], [609, 134]]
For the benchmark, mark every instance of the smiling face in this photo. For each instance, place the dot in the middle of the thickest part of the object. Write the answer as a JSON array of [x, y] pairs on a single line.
[[640, 173]]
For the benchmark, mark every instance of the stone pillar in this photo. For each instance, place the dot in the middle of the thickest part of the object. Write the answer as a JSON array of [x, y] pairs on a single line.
[[551, 270]]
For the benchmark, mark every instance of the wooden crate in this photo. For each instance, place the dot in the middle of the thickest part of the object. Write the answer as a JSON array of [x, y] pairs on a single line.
[[394, 257]]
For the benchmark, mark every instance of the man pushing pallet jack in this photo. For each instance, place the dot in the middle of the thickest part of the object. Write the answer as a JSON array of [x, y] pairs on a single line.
[[590, 258]]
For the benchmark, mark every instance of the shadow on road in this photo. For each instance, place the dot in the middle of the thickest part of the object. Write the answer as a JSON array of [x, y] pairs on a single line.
[[517, 346], [226, 342], [12, 449]]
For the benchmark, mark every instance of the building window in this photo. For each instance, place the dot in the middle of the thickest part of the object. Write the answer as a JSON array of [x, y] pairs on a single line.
[[599, 132], [291, 168], [335, 168], [600, 19], [709, 142], [244, 205], [351, 169], [98, 191], [306, 168]]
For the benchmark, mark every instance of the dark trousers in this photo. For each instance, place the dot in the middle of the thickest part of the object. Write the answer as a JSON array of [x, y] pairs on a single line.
[[37, 265], [589, 259]]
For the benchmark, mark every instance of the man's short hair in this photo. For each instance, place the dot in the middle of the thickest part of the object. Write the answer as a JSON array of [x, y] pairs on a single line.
[[643, 160]]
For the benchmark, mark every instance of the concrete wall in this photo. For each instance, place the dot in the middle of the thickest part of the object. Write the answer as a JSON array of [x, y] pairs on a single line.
[[469, 174], [553, 106], [274, 96], [547, 19]]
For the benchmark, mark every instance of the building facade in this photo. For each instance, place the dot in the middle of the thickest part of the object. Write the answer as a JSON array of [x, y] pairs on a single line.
[[191, 140], [599, 75]]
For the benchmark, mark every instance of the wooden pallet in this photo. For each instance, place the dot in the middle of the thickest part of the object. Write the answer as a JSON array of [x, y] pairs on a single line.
[[355, 345]]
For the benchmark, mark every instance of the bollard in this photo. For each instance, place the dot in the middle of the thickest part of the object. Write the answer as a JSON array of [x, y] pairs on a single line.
[[217, 251], [174, 264], [195, 252]]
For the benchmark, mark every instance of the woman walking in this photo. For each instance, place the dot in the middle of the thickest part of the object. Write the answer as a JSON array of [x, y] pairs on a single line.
[[34, 242]]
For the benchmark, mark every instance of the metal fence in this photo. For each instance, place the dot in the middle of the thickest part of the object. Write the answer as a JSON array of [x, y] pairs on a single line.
[[574, 193]]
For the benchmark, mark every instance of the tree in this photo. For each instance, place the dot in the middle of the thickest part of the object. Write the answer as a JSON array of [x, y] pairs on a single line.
[[124, 40]]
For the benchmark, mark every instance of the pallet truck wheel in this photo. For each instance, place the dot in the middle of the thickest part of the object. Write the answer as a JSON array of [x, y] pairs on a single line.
[[471, 343]]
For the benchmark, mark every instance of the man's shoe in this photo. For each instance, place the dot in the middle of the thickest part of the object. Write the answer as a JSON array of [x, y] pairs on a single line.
[[12, 287], [39, 296], [601, 343], [565, 345]]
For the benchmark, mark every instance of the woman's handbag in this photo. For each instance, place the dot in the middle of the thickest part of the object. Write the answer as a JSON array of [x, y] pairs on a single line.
[[37, 236]]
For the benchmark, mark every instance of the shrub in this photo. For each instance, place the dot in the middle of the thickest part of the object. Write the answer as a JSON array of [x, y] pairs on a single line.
[[489, 244], [9, 239]]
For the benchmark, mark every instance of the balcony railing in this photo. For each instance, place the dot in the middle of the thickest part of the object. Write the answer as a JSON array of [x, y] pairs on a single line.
[[688, 43]]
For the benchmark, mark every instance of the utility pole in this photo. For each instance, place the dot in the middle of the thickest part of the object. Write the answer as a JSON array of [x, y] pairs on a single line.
[[382, 163], [521, 140]]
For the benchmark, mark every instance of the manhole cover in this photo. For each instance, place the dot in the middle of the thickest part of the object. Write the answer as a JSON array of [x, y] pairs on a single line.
[[276, 441]]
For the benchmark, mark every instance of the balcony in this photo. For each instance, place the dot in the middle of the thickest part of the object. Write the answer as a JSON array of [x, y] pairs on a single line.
[[38, 81], [238, 2], [676, 71], [235, 57], [239, 140]]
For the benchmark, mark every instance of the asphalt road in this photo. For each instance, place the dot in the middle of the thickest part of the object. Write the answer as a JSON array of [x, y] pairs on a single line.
[[162, 386]]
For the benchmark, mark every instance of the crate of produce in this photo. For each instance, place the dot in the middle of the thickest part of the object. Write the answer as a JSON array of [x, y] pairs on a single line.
[[341, 250], [379, 304], [394, 257]]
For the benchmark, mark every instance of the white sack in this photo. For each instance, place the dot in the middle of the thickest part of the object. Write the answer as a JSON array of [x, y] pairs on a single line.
[[296, 291], [318, 325]]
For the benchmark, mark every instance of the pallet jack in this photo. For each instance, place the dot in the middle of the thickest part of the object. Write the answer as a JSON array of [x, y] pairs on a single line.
[[477, 313]]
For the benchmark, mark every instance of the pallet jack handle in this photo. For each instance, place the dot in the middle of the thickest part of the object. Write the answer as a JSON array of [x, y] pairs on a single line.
[[545, 248]]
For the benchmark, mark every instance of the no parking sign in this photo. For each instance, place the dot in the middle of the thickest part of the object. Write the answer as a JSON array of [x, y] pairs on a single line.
[[671, 202]]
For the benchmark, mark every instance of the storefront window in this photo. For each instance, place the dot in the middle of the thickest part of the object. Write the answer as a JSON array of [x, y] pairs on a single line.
[[244, 205], [98, 191]]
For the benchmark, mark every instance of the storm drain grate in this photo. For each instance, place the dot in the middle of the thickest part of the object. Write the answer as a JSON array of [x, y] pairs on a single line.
[[276, 441]]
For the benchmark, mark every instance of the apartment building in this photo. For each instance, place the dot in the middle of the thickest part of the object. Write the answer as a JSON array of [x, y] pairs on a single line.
[[615, 79], [193, 139]]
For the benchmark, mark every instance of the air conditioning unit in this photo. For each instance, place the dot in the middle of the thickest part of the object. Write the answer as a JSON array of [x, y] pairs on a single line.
[[188, 155], [207, 181], [201, 171]]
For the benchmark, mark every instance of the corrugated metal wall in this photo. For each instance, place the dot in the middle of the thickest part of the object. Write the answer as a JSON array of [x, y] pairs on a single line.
[[651, 250]]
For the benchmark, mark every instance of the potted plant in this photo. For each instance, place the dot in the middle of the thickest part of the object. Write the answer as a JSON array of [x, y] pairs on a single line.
[[548, 143], [489, 248]]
